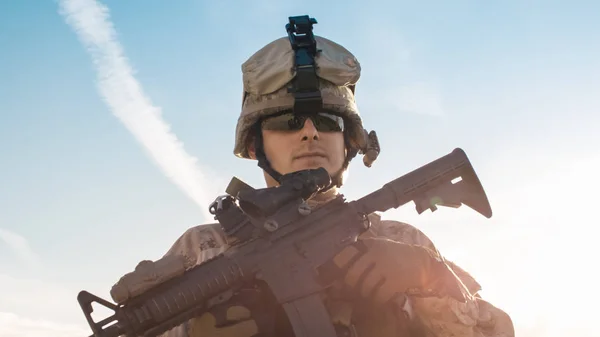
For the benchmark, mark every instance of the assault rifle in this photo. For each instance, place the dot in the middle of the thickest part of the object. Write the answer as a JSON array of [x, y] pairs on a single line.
[[281, 241]]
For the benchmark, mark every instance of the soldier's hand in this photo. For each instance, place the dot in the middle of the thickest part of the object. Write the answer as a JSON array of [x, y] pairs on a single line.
[[236, 322], [379, 269]]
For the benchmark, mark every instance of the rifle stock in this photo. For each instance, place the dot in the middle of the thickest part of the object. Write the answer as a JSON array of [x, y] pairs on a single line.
[[430, 185], [288, 253]]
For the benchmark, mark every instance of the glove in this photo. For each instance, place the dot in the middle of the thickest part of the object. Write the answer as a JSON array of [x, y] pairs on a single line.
[[238, 322], [379, 269]]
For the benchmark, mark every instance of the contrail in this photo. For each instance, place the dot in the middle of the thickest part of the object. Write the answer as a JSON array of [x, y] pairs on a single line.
[[125, 97]]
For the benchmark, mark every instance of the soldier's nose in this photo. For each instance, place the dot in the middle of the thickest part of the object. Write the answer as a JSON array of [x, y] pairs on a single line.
[[309, 130]]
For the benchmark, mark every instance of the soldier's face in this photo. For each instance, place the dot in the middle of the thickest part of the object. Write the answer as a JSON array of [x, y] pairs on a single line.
[[305, 148]]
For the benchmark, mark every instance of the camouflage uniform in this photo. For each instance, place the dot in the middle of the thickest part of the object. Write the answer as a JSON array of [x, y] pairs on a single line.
[[439, 317]]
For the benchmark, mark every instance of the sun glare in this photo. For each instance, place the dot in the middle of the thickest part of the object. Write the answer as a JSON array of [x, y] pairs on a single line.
[[547, 272]]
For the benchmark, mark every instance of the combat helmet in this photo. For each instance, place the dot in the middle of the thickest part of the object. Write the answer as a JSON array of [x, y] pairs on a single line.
[[303, 73]]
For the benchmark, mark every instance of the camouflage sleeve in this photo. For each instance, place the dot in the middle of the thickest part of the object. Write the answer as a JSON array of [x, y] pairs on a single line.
[[199, 243], [196, 245], [445, 317], [403, 232]]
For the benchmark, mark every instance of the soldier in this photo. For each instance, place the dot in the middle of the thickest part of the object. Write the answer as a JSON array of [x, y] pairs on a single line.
[[303, 128]]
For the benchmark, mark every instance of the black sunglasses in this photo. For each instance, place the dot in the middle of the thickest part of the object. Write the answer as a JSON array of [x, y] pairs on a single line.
[[288, 121]]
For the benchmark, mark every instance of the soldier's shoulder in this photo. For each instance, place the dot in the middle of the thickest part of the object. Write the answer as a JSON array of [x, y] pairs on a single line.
[[200, 242], [400, 231], [204, 233], [406, 233]]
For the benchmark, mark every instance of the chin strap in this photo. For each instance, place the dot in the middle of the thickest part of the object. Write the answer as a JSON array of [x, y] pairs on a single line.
[[261, 157]]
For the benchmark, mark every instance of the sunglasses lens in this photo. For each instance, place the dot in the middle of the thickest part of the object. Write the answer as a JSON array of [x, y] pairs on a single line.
[[323, 122], [283, 122], [327, 122]]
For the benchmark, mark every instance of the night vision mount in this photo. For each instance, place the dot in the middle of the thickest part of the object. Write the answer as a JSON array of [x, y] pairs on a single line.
[[305, 86]]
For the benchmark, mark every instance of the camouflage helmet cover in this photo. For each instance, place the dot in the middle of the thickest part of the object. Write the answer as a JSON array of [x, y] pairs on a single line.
[[267, 73]]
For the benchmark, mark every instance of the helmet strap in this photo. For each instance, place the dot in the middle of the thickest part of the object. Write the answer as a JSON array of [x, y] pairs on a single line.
[[261, 157], [336, 179]]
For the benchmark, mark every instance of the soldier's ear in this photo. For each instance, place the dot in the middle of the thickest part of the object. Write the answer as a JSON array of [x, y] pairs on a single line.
[[251, 149]]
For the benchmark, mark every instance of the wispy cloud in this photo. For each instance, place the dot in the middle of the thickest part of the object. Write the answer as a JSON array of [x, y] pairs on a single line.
[[40, 307], [128, 102], [12, 325], [19, 245]]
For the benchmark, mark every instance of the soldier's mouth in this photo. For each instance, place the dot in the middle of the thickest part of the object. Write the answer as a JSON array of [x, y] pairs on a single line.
[[311, 155]]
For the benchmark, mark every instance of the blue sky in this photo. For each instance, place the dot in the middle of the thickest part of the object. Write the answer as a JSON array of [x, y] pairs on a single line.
[[515, 84]]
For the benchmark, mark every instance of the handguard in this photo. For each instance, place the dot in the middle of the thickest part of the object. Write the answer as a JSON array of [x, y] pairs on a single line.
[[282, 241]]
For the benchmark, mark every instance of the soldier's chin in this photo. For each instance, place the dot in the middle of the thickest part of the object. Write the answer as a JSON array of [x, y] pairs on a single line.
[[308, 163]]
